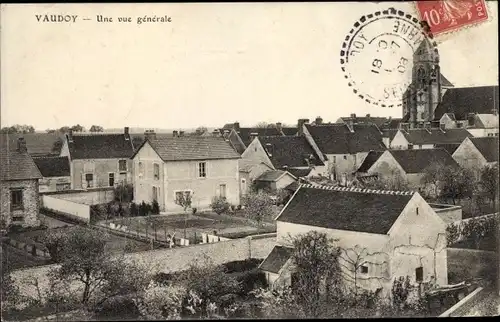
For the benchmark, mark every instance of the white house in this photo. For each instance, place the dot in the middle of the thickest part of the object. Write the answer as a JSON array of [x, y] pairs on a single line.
[[392, 233]]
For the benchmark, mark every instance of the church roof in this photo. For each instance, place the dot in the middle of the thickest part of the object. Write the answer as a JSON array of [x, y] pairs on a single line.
[[465, 100]]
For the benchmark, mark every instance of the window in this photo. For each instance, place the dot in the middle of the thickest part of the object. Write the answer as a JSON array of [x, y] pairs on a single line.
[[111, 179], [419, 274], [16, 199], [155, 193], [410, 146], [364, 269], [222, 189], [417, 210], [181, 196], [89, 179], [141, 169], [156, 171], [122, 165], [202, 170], [345, 157], [334, 159]]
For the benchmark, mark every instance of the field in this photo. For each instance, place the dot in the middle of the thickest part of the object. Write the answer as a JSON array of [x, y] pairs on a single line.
[[194, 225]]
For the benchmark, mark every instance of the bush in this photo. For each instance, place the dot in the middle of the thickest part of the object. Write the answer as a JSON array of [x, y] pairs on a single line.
[[251, 280], [121, 306], [233, 208], [134, 210], [194, 210], [155, 208], [124, 193], [241, 266], [219, 205]]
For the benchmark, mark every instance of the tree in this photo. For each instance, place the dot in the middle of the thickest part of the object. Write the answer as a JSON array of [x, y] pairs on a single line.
[[160, 302], [201, 130], [456, 183], [78, 128], [86, 260], [56, 147], [96, 128], [124, 192], [219, 205], [184, 200], [352, 260], [432, 175], [55, 242], [64, 129], [315, 267], [9, 292], [18, 128], [259, 207], [488, 183], [263, 125]]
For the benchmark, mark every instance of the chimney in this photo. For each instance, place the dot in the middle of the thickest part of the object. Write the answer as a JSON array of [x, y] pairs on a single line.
[[70, 136], [126, 133], [319, 120], [353, 116], [175, 133], [236, 126], [471, 117], [279, 126], [150, 135], [368, 120], [215, 133], [21, 145], [269, 149], [253, 135], [181, 133], [300, 124]]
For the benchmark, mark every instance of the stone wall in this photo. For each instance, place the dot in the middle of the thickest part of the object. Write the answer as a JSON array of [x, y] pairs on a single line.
[[470, 263], [166, 260], [87, 197], [31, 202]]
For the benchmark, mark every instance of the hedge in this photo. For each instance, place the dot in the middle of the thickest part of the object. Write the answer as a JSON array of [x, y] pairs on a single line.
[[241, 266]]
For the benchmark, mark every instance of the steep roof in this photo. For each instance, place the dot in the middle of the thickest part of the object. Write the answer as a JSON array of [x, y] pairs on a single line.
[[486, 121], [378, 121], [369, 160], [276, 259], [193, 148], [38, 143], [464, 100], [488, 146], [435, 136], [53, 166], [245, 133], [445, 82], [291, 151], [450, 147], [236, 142], [338, 139], [271, 175], [389, 133], [15, 165], [415, 161], [289, 131], [330, 207], [100, 146]]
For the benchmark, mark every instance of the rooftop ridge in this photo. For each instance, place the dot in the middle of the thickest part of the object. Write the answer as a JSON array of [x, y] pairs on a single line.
[[353, 189]]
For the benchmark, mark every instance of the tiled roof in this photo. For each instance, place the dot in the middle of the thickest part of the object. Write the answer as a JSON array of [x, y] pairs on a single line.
[[15, 165], [435, 136], [291, 151], [450, 147], [451, 116], [378, 121], [389, 133], [292, 186], [271, 175], [245, 133], [392, 123], [461, 101], [345, 209], [234, 139], [38, 143], [338, 139], [289, 131], [276, 259], [486, 121], [100, 146], [445, 82], [488, 146], [193, 148], [53, 166], [299, 172], [416, 160], [369, 160]]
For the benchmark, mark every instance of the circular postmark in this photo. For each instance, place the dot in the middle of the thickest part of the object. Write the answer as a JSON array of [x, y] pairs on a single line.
[[377, 55]]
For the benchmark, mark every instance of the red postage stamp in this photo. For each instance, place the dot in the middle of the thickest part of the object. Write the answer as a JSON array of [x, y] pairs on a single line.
[[448, 15]]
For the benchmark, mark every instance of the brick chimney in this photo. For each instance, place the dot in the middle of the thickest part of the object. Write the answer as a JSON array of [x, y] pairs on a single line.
[[236, 126], [175, 134], [300, 124], [279, 126], [21, 145], [318, 120], [150, 135], [126, 133]]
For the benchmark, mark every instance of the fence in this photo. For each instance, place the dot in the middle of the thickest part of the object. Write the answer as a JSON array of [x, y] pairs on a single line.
[[72, 209], [166, 260]]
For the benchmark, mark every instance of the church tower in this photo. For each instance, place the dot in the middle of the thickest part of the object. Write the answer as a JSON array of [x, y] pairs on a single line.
[[424, 94]]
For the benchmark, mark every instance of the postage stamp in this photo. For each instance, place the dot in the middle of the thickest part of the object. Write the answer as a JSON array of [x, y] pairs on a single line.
[[377, 55], [452, 15]]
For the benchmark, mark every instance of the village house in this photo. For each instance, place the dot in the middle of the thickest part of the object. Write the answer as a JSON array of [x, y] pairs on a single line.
[[382, 235], [285, 153], [476, 153], [274, 180], [241, 137], [409, 165], [56, 173], [18, 185], [343, 147], [380, 122], [249, 170], [99, 160], [171, 167], [427, 138]]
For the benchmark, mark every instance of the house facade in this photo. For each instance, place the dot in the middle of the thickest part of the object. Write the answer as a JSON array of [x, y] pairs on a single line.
[[427, 138], [202, 167], [274, 180], [56, 173], [249, 170], [476, 153], [99, 160], [392, 234], [19, 176]]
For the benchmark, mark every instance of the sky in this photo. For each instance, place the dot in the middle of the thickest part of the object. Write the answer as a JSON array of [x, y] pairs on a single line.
[[212, 64]]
